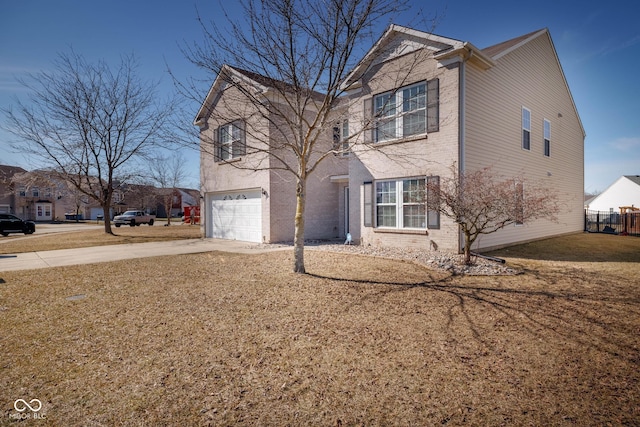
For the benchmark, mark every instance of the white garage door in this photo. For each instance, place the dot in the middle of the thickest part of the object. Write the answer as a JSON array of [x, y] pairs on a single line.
[[237, 216]]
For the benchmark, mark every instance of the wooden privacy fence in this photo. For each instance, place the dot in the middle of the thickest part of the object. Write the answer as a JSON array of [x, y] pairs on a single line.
[[625, 223]]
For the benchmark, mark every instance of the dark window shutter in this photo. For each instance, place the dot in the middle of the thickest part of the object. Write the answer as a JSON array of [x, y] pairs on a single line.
[[336, 138], [433, 105], [217, 153], [433, 202], [367, 205], [369, 121]]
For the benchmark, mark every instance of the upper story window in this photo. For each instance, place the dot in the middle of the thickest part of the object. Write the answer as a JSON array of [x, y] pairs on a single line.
[[22, 191], [526, 129], [230, 141], [408, 111], [341, 138], [547, 138], [35, 192]]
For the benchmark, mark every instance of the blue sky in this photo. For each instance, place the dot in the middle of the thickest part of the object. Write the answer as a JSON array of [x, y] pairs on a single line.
[[598, 44]]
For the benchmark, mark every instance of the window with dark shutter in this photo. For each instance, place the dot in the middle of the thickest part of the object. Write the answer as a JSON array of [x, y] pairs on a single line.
[[230, 141]]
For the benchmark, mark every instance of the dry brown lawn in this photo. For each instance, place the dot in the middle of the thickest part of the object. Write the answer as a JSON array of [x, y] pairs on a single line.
[[15, 243], [228, 339]]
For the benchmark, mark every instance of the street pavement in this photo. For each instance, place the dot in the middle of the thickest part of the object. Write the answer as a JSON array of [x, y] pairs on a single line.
[[66, 257]]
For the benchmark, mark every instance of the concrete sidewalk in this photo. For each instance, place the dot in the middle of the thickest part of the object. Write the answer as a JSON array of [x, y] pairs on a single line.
[[64, 257]]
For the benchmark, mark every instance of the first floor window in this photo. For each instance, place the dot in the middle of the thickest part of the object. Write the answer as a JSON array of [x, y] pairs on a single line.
[[230, 141], [401, 203], [386, 206], [413, 203]]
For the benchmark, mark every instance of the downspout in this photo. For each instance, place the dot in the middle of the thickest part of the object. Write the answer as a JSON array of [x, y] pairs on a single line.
[[461, 130]]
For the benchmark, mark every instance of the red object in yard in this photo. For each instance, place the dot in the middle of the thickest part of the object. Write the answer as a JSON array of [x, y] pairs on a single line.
[[192, 214]]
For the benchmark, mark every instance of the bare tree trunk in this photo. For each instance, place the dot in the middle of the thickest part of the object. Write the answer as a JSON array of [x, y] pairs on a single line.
[[467, 249], [298, 239], [107, 219]]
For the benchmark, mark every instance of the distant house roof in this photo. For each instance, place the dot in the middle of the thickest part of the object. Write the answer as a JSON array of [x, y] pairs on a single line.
[[634, 178], [7, 172]]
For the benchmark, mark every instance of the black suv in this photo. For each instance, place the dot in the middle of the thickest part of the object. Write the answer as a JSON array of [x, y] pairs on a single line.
[[13, 224]]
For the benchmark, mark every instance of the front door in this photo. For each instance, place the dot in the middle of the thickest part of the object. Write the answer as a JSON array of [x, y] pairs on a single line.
[[43, 212]]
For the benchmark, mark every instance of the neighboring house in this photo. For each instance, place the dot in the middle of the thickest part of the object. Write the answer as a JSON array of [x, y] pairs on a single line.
[[507, 107], [35, 194], [180, 199], [625, 192], [7, 188]]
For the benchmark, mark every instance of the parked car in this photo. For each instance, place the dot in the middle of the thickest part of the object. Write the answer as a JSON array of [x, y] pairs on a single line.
[[12, 224], [133, 218]]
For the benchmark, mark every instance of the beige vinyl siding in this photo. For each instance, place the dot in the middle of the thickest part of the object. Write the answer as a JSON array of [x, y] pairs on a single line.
[[526, 77]]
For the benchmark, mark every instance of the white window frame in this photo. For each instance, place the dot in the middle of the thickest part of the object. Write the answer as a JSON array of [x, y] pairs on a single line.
[[389, 109], [230, 136], [341, 138], [526, 129], [546, 129], [394, 190]]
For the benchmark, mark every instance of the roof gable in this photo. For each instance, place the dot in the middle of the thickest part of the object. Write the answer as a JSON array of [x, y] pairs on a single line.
[[498, 50], [229, 75], [397, 41], [217, 87]]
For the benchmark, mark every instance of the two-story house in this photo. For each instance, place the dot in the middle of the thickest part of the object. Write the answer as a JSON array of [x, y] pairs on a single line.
[[417, 105]]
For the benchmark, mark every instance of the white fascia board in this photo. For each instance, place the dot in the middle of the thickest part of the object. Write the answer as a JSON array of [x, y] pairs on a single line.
[[372, 54]]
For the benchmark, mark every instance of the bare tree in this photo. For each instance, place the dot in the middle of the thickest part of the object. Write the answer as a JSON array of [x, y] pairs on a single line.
[[88, 122], [303, 51], [167, 173], [482, 202]]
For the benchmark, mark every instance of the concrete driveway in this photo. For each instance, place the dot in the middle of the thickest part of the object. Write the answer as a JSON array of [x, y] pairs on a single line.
[[66, 257]]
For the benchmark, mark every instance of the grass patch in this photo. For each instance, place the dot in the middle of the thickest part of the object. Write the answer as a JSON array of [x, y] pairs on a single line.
[[224, 339], [82, 239]]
